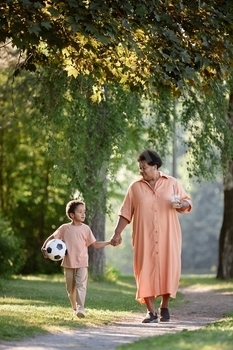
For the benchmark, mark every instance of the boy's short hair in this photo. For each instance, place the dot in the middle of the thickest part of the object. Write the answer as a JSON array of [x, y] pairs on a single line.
[[72, 205]]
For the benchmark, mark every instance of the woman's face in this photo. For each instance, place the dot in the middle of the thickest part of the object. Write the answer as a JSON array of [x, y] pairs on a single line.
[[148, 172]]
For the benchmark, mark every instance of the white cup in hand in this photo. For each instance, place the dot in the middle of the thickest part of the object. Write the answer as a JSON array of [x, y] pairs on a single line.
[[175, 200]]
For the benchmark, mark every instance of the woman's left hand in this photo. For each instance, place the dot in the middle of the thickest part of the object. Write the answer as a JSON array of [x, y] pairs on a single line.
[[181, 204], [177, 204]]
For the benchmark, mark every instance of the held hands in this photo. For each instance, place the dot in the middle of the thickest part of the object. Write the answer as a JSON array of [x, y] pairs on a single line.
[[116, 239]]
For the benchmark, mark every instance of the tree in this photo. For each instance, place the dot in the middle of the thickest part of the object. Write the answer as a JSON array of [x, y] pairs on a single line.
[[59, 118], [206, 123], [150, 43], [89, 139], [28, 199], [225, 267], [182, 47]]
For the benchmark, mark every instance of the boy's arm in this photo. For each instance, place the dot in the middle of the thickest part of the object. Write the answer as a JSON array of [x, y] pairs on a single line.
[[100, 244]]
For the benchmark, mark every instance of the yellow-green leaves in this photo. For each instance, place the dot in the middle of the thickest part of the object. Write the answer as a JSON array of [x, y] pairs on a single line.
[[142, 44]]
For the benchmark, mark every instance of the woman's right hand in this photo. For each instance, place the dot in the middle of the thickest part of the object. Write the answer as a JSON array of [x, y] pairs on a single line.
[[116, 239]]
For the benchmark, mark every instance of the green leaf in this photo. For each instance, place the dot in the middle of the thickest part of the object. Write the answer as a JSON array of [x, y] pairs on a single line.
[[172, 36], [90, 28], [26, 2], [169, 67], [141, 10], [54, 12], [38, 5], [35, 29], [73, 3], [189, 72], [75, 27], [103, 39], [46, 24]]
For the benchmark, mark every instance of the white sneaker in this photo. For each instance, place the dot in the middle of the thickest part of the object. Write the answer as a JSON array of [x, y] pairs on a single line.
[[79, 312]]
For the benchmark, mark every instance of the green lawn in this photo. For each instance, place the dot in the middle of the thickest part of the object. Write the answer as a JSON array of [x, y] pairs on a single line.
[[32, 305], [38, 304]]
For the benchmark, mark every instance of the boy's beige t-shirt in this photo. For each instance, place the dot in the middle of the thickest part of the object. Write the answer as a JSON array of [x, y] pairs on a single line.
[[77, 240]]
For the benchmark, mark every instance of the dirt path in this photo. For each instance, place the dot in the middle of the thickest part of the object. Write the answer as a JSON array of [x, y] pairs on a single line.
[[202, 307]]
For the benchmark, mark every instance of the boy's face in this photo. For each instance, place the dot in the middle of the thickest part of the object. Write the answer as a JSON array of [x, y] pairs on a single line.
[[79, 213]]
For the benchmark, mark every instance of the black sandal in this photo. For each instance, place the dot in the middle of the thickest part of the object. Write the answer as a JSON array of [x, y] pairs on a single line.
[[150, 318], [164, 314]]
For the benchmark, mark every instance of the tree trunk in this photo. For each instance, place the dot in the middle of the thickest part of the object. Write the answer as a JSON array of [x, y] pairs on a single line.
[[1, 171], [98, 179], [225, 267], [97, 256]]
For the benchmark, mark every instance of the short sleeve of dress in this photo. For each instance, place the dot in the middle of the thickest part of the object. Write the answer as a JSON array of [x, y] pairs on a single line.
[[184, 196]]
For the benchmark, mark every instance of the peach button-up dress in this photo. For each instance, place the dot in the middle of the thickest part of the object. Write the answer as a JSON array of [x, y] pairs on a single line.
[[156, 235]]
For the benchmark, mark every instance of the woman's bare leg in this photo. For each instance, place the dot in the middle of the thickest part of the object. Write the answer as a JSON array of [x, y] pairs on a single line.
[[164, 311], [150, 303], [165, 301], [151, 316]]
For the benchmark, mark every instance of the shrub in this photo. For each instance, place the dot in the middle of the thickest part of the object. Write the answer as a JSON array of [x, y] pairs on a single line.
[[11, 252]]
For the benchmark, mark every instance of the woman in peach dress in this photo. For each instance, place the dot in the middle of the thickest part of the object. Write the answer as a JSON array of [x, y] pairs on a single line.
[[156, 233]]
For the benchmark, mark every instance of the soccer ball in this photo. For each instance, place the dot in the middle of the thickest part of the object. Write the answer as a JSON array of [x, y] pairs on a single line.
[[56, 249]]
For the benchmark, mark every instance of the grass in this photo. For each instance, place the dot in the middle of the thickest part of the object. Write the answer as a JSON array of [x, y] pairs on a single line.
[[33, 305], [207, 281], [38, 304]]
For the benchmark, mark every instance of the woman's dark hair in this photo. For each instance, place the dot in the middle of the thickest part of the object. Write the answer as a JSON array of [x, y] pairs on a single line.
[[72, 205], [151, 157]]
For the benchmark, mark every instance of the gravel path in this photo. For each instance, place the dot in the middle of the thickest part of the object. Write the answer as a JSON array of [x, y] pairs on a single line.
[[203, 307]]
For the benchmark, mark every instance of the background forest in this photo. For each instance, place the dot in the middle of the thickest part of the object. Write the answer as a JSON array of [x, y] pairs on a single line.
[[33, 197], [84, 87]]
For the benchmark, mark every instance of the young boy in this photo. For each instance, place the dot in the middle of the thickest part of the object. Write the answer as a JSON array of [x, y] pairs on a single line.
[[77, 237]]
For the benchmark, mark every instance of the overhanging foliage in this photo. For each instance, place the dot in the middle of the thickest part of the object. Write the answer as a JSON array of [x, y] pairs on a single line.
[[140, 44]]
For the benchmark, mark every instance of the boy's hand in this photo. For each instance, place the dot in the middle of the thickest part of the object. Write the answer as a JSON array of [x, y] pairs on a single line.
[[44, 252]]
